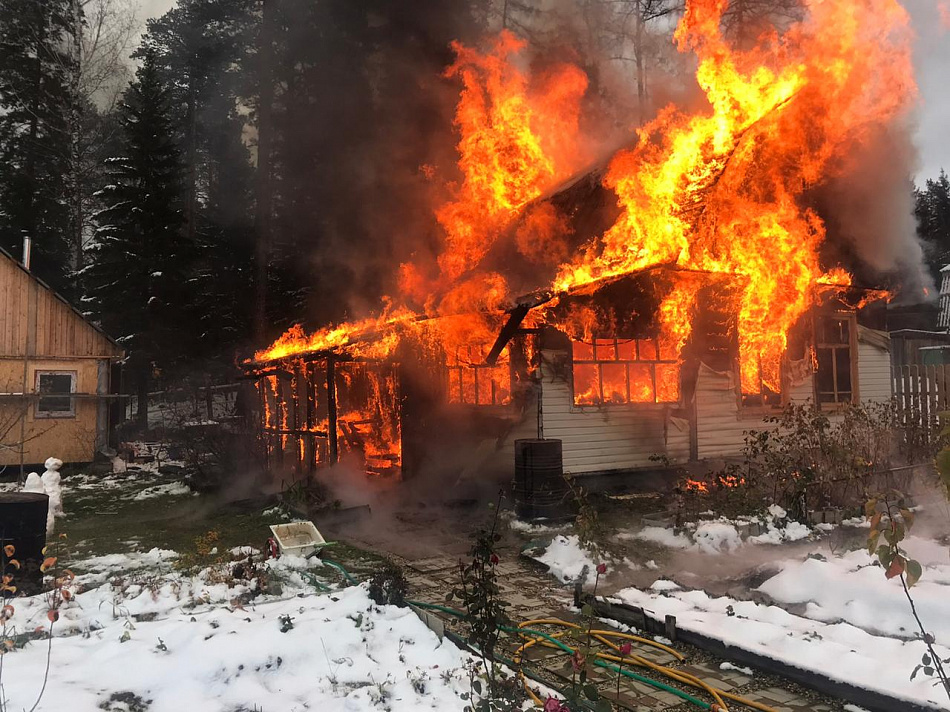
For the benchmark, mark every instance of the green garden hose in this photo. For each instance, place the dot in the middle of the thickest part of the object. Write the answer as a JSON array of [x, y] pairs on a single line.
[[525, 632]]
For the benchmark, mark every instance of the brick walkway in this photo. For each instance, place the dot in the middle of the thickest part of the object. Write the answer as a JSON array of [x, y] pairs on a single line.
[[533, 595]]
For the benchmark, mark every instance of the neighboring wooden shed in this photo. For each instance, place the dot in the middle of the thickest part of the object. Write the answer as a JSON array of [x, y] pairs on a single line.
[[55, 373]]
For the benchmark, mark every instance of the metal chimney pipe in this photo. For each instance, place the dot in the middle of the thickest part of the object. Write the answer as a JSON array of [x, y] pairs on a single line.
[[27, 248]]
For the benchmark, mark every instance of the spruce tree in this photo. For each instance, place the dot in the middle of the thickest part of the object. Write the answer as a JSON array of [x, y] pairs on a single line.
[[932, 208], [138, 276], [200, 49], [37, 99]]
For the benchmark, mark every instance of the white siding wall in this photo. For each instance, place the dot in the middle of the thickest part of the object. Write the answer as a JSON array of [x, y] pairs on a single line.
[[721, 430], [609, 438], [721, 426], [874, 373], [625, 437]]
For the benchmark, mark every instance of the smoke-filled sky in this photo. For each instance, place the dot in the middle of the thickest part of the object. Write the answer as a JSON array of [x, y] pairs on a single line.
[[932, 23]]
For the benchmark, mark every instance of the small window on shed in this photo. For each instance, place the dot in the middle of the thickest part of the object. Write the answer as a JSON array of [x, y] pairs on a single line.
[[470, 381], [834, 376], [56, 389]]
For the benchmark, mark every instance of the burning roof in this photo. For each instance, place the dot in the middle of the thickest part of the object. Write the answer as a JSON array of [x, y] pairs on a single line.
[[721, 191]]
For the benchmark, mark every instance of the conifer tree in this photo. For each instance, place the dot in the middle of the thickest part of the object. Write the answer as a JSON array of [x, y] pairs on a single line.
[[138, 276], [37, 98]]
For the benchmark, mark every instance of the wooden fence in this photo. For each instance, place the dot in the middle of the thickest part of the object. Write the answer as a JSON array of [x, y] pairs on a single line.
[[922, 392]]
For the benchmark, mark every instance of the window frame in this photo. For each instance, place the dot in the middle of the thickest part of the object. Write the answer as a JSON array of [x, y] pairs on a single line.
[[763, 408], [648, 363], [458, 368], [57, 414], [852, 346]]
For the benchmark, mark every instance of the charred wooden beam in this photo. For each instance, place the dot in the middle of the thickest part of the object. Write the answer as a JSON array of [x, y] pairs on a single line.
[[331, 411], [507, 332]]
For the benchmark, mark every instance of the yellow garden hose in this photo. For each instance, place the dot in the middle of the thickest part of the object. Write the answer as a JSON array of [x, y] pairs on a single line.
[[603, 636]]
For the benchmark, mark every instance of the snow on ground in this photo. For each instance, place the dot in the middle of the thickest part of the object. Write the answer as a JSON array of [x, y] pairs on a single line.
[[838, 650], [566, 558], [722, 535], [852, 588], [173, 489], [187, 642]]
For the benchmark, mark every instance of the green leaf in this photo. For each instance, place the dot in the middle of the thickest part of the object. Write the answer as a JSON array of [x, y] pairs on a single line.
[[873, 538], [914, 572], [871, 505], [591, 692], [587, 611], [477, 686], [884, 555], [602, 705]]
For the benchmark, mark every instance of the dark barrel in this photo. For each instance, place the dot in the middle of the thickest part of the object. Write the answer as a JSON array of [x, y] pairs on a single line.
[[540, 489], [23, 524]]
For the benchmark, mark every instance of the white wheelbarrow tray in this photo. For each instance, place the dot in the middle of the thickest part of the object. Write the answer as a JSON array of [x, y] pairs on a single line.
[[298, 538]]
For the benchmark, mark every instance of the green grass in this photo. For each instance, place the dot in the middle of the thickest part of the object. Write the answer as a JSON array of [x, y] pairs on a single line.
[[110, 520]]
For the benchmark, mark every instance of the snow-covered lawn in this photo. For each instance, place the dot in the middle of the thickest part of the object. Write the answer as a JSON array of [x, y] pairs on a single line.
[[180, 642], [849, 622], [852, 588], [838, 650], [141, 634]]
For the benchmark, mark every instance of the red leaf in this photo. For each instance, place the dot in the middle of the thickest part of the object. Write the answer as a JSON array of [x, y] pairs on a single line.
[[896, 568]]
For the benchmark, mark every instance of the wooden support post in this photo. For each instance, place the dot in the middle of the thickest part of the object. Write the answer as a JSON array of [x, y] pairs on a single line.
[[671, 628], [331, 410]]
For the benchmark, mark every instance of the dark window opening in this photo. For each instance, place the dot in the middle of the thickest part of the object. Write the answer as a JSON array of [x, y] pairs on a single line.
[[55, 389], [834, 381]]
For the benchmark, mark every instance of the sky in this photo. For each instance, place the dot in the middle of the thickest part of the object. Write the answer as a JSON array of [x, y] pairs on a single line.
[[931, 21]]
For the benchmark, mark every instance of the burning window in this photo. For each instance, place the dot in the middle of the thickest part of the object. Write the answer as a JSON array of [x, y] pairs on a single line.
[[615, 371], [55, 389], [760, 394], [834, 375], [471, 381]]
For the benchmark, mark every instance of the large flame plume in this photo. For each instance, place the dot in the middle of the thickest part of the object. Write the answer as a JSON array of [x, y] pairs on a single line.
[[723, 190]]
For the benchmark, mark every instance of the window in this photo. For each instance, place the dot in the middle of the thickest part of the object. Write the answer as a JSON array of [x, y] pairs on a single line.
[[834, 376], [471, 381], [55, 389], [614, 371], [756, 393]]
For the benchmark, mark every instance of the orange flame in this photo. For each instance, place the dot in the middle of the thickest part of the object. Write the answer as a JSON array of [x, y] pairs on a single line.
[[723, 191]]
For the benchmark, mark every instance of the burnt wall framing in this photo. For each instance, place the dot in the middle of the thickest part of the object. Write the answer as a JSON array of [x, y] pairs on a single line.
[[302, 425]]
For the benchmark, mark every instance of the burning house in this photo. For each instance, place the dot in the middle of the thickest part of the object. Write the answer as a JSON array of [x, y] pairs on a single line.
[[619, 396], [690, 287]]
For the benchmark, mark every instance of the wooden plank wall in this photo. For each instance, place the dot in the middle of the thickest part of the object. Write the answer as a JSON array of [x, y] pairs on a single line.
[[59, 331]]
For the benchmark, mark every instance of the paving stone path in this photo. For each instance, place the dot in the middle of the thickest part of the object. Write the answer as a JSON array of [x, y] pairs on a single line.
[[534, 595]]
